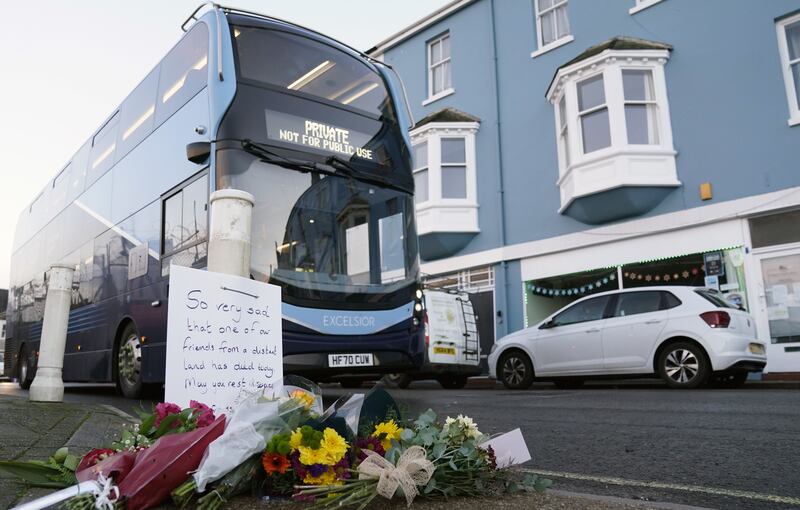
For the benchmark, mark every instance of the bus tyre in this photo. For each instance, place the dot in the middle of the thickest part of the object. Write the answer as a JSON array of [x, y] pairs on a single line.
[[128, 359], [452, 382], [24, 378], [397, 380]]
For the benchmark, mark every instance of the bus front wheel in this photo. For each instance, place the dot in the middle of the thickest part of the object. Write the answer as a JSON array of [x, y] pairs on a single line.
[[128, 361]]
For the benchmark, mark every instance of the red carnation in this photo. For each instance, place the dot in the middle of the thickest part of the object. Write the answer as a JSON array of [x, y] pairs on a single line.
[[203, 413]]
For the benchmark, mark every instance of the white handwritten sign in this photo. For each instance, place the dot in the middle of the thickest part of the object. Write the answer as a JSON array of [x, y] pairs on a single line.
[[224, 339]]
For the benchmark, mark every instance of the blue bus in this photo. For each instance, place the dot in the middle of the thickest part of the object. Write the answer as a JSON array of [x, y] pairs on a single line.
[[315, 130]]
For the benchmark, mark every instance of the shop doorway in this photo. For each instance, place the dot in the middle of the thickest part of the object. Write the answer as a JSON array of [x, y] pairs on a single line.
[[779, 317]]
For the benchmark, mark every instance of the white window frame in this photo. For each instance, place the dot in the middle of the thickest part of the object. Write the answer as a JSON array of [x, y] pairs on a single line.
[[439, 214], [642, 5], [418, 169], [542, 47], [621, 163], [431, 66], [783, 49]]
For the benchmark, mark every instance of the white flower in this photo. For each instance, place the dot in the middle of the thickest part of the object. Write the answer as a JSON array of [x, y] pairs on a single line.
[[464, 424]]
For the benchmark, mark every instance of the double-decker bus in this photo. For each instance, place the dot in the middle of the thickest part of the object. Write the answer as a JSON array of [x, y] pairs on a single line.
[[315, 130]]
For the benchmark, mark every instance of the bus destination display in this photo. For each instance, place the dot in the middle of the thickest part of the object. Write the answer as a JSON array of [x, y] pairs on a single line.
[[313, 134]]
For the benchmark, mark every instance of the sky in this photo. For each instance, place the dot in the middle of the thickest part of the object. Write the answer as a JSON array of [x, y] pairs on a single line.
[[68, 64]]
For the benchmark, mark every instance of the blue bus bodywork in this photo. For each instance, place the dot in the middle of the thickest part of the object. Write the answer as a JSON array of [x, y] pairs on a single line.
[[111, 212]]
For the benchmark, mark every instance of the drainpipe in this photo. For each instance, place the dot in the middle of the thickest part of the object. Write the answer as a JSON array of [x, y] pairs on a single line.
[[501, 189]]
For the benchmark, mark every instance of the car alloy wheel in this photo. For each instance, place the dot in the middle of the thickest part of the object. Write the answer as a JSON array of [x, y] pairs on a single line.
[[515, 370], [683, 365]]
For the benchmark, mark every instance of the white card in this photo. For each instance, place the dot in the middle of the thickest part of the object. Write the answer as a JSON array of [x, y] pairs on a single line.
[[509, 449]]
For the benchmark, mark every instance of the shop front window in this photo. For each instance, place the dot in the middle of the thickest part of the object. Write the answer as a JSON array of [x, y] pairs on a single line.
[[782, 290], [722, 270]]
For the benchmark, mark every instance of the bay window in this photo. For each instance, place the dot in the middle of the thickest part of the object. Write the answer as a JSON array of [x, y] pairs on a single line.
[[445, 177], [612, 120]]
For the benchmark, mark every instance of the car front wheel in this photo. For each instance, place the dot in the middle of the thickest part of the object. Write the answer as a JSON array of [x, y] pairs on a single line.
[[683, 365], [515, 370]]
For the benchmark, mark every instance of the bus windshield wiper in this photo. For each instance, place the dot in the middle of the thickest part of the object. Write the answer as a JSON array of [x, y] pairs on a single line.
[[344, 166], [269, 156]]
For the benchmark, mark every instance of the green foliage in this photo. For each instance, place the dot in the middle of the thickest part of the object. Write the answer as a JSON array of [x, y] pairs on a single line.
[[279, 443], [311, 438], [57, 472]]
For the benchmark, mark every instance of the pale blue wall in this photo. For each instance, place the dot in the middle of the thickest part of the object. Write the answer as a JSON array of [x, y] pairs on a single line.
[[725, 86]]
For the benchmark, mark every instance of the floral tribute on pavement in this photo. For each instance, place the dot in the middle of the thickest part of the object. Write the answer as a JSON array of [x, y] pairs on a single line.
[[281, 446]]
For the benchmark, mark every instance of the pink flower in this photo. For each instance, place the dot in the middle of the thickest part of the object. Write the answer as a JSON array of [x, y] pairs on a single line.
[[164, 409], [203, 413]]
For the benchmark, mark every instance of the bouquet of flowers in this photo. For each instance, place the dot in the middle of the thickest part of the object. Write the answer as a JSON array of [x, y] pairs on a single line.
[[284, 445], [428, 459]]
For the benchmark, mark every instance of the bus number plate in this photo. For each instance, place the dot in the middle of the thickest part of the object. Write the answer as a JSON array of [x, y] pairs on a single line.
[[350, 360], [445, 350]]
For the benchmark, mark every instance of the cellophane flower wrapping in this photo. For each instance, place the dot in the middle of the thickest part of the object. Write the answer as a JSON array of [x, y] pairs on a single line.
[[253, 424]]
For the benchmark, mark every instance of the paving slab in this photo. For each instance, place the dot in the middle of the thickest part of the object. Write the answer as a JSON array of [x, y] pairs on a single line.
[[35, 430]]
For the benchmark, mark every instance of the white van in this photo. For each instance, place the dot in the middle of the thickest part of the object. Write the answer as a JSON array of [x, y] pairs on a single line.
[[451, 335]]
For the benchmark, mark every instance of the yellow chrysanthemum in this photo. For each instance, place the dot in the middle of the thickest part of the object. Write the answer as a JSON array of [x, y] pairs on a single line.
[[309, 456], [326, 478], [296, 439], [303, 397], [386, 431], [333, 445]]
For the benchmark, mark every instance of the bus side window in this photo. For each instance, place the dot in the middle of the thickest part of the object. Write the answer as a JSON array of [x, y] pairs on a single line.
[[185, 226], [183, 73]]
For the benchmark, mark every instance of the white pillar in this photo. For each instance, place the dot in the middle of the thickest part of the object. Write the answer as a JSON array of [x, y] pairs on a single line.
[[48, 385], [229, 236]]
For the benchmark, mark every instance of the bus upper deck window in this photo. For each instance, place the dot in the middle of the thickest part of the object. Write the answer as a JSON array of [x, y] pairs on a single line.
[[184, 72], [307, 66]]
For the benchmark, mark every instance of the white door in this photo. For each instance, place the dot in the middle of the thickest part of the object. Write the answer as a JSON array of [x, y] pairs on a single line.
[[573, 341], [779, 301], [635, 325]]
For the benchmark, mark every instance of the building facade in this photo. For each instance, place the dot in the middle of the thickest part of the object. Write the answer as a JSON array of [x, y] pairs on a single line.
[[566, 147]]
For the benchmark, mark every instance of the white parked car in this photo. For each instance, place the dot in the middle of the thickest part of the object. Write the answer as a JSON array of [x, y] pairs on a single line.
[[684, 335]]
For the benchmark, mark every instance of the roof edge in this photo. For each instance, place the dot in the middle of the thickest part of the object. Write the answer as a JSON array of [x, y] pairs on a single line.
[[418, 26]]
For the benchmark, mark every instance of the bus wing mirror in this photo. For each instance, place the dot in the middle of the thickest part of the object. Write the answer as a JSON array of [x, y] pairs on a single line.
[[197, 152]]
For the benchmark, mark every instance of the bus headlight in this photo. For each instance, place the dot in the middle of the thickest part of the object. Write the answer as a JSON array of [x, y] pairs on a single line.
[[419, 294], [418, 307]]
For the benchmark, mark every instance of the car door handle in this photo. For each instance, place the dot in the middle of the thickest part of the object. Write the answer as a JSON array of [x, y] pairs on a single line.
[[652, 321], [593, 330]]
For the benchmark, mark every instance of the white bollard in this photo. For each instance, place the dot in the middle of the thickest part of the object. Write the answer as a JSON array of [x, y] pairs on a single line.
[[229, 235], [48, 385]]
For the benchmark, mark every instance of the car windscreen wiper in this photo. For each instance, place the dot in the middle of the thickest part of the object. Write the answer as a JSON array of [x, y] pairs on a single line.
[[344, 166]]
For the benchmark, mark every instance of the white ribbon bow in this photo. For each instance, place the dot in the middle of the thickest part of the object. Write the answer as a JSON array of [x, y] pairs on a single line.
[[413, 469], [106, 493]]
